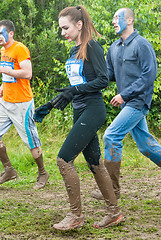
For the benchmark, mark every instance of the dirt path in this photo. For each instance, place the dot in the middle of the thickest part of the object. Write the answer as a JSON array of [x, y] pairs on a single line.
[[140, 203]]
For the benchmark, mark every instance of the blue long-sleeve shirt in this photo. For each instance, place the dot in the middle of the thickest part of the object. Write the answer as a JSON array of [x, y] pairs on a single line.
[[132, 64]]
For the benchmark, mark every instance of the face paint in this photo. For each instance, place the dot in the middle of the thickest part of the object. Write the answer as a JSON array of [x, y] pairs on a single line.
[[4, 34], [119, 21]]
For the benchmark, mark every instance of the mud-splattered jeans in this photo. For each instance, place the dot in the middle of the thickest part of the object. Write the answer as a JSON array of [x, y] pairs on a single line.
[[134, 121]]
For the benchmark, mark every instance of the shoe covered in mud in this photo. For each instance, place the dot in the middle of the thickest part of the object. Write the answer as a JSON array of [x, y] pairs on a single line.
[[8, 174], [41, 180], [110, 220], [98, 195], [71, 221]]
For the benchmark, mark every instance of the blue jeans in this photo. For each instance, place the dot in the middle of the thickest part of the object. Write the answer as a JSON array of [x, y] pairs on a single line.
[[134, 121]]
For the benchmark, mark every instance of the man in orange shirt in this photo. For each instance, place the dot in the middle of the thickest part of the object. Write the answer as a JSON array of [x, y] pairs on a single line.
[[16, 102]]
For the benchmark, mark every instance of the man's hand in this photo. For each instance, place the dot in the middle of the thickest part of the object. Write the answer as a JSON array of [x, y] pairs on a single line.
[[1, 69], [117, 101], [1, 91]]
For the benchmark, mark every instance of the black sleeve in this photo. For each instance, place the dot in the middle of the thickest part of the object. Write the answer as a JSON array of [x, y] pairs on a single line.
[[95, 55]]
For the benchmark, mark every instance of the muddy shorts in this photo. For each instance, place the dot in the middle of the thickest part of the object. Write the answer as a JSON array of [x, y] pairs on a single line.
[[21, 116]]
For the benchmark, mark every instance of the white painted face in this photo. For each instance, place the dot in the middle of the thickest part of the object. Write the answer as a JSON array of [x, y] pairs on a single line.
[[70, 31], [4, 37], [119, 21]]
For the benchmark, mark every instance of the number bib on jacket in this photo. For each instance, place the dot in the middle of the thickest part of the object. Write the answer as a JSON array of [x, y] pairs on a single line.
[[74, 69]]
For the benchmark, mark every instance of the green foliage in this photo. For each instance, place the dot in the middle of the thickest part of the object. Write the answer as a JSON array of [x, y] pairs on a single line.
[[112, 111], [36, 25], [147, 23], [36, 28]]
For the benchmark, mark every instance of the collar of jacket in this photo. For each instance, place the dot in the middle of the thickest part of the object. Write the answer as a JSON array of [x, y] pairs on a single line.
[[129, 39]]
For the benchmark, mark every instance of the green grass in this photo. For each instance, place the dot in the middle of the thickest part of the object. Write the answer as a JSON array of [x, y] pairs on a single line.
[[29, 214]]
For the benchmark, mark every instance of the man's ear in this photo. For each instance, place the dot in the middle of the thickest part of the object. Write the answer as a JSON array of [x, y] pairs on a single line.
[[79, 25], [11, 34], [130, 20]]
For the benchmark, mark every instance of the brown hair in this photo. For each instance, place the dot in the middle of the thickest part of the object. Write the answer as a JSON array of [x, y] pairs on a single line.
[[88, 30], [8, 25]]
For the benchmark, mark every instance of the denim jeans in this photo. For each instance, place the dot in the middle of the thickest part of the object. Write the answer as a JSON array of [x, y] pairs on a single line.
[[134, 121]]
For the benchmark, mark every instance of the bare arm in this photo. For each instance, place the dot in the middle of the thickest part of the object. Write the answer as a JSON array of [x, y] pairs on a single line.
[[1, 90], [25, 72]]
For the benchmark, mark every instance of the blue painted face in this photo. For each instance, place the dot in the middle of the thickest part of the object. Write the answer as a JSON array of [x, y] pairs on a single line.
[[4, 34], [119, 21]]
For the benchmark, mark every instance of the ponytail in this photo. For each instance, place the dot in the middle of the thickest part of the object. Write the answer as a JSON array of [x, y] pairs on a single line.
[[88, 30]]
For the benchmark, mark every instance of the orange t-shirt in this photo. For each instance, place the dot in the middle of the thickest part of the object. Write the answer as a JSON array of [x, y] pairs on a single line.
[[15, 89]]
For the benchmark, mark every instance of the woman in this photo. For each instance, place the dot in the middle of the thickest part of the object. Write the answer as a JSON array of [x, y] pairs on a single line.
[[87, 73]]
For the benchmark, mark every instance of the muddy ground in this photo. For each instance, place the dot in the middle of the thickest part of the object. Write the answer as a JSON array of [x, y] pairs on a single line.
[[140, 200]]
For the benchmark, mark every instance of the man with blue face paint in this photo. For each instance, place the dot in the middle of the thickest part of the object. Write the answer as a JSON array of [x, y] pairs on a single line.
[[131, 62], [16, 102], [4, 34], [121, 21]]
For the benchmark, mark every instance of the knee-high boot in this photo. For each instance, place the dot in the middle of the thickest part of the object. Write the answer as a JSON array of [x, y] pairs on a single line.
[[72, 185]]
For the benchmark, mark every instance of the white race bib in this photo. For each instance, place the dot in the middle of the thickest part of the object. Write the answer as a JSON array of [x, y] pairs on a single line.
[[74, 68], [5, 77]]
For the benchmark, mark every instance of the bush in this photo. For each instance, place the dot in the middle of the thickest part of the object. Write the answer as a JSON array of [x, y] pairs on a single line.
[[37, 27], [147, 23]]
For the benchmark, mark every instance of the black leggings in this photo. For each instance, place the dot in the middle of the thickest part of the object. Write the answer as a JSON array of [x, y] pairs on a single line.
[[83, 136]]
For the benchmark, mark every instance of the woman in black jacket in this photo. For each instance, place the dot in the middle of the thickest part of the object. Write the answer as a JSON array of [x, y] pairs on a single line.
[[87, 73]]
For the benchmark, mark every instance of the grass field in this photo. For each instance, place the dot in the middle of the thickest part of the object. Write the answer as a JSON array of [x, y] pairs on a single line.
[[28, 214]]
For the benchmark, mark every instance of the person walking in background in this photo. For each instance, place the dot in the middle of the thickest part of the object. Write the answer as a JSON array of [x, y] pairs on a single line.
[[131, 62], [87, 73], [16, 102]]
